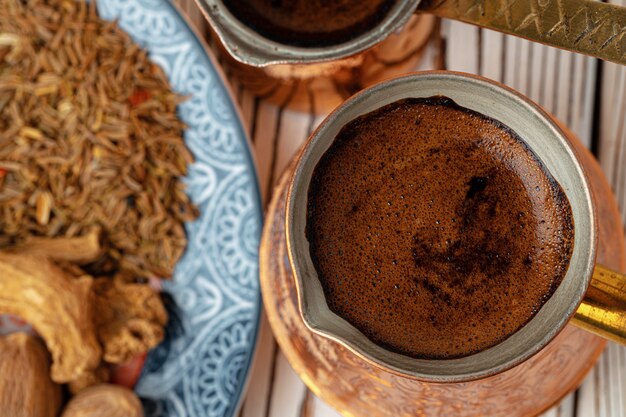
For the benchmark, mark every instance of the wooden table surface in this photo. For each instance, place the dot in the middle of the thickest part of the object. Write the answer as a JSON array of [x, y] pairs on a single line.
[[588, 95]]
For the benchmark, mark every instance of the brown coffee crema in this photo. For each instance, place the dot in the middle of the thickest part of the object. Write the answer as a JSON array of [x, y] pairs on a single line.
[[310, 23], [435, 230]]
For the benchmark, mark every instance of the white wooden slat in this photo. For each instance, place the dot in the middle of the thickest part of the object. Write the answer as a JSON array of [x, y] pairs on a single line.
[[255, 402], [616, 394], [586, 406], [603, 392], [185, 7], [602, 384], [585, 77], [465, 59], [567, 407], [518, 64], [321, 409], [608, 122], [613, 129], [548, 79], [429, 58], [539, 53], [293, 132], [564, 409], [510, 65], [578, 91], [261, 376], [194, 14], [197, 19], [235, 86], [529, 58], [260, 379], [553, 412], [529, 65], [247, 105], [288, 391], [307, 407], [264, 142], [564, 86], [522, 65], [492, 44]]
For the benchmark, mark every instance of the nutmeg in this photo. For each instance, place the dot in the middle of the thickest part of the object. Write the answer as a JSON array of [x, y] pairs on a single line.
[[26, 389], [104, 400]]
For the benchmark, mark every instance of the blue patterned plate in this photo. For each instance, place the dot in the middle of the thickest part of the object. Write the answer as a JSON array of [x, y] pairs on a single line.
[[214, 301]]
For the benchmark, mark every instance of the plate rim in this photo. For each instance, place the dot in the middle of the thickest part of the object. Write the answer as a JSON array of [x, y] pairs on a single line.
[[233, 408]]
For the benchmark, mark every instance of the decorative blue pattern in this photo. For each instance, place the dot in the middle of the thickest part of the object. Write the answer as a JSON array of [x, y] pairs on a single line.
[[201, 367]]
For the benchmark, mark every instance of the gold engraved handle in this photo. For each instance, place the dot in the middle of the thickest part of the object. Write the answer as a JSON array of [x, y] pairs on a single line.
[[603, 311], [586, 26]]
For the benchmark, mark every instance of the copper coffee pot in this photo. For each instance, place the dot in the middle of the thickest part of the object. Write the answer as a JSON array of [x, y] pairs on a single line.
[[317, 79]]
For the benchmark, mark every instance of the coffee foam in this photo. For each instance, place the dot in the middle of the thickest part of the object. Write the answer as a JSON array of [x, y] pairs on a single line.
[[310, 22], [434, 230]]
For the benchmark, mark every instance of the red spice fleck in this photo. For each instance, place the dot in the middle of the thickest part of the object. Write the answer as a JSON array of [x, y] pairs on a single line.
[[127, 374], [17, 321], [139, 96]]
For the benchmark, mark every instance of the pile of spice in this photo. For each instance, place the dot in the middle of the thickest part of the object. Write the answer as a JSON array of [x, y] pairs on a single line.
[[89, 137]]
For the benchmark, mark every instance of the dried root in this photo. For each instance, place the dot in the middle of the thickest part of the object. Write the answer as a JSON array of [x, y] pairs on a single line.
[[129, 318], [58, 307]]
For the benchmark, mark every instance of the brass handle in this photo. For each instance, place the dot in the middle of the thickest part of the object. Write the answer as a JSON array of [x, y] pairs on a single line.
[[586, 26], [603, 311]]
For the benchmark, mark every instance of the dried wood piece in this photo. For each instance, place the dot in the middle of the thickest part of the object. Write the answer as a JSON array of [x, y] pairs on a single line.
[[26, 389], [57, 306], [81, 250], [129, 318]]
